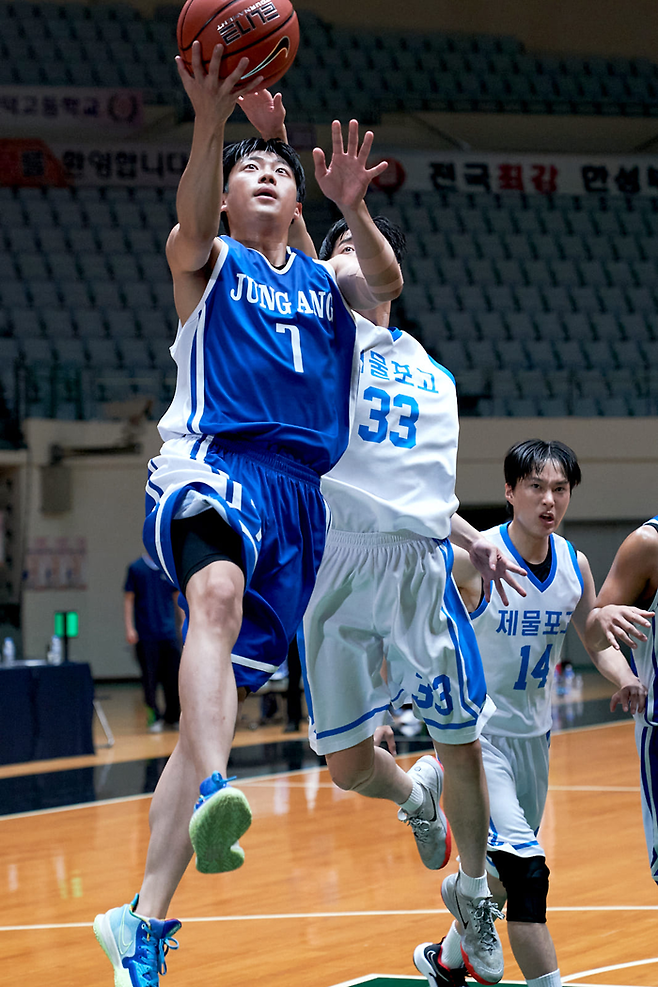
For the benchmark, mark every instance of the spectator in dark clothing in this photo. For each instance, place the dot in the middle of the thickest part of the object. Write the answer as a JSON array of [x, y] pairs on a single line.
[[153, 627]]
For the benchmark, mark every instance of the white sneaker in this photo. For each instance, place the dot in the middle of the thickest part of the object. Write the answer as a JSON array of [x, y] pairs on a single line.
[[433, 837], [481, 949]]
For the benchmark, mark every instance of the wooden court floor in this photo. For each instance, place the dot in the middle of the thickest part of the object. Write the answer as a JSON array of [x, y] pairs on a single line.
[[332, 889]]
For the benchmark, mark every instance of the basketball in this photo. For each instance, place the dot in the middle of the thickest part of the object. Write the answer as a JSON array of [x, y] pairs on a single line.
[[265, 31]]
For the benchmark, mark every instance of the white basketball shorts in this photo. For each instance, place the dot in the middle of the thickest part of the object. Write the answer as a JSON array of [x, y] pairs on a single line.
[[386, 625], [517, 779]]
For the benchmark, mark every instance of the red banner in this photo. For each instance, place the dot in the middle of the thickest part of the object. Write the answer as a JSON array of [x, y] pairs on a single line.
[[28, 161]]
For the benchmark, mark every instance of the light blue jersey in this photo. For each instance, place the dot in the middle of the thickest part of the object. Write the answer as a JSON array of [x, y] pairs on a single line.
[[267, 358]]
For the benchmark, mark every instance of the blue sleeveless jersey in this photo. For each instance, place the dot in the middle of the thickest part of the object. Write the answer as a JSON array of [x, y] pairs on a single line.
[[267, 357]]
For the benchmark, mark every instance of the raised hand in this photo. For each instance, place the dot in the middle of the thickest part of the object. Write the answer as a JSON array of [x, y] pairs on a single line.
[[265, 112], [213, 98], [347, 178], [495, 567]]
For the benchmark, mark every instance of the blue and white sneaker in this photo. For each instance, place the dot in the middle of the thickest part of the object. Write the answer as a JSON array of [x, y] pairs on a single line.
[[135, 946], [221, 816]]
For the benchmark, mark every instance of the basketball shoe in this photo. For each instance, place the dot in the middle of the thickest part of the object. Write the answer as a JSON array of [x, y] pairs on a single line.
[[433, 837], [135, 946], [427, 960], [480, 945], [220, 818]]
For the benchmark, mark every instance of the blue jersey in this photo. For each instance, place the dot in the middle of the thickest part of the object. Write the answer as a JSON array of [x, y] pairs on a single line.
[[267, 358], [154, 601]]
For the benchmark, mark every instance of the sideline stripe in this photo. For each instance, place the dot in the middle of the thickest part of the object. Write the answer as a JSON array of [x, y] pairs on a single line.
[[594, 788], [371, 978], [263, 780], [287, 916], [609, 969]]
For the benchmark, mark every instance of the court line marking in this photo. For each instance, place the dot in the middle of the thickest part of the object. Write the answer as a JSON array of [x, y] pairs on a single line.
[[263, 781], [288, 916], [609, 969], [402, 976]]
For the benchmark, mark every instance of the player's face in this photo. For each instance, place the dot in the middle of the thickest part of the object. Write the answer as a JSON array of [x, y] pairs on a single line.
[[540, 500], [261, 184]]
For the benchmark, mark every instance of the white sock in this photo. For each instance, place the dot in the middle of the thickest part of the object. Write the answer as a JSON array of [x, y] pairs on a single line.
[[451, 953], [548, 980], [415, 800], [473, 887]]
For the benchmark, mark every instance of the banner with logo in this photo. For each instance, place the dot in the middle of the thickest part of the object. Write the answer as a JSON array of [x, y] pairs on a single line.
[[45, 110], [533, 174]]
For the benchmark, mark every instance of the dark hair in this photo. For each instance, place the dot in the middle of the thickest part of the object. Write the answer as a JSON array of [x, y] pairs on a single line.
[[531, 455], [242, 149], [393, 234]]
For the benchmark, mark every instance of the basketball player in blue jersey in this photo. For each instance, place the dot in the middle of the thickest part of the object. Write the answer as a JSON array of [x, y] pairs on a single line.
[[384, 597], [626, 611], [520, 642], [265, 352]]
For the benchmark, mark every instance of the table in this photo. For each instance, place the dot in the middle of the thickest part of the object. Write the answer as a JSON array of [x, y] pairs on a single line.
[[45, 711]]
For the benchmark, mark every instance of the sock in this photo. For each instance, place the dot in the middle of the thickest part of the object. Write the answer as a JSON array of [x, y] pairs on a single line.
[[548, 980], [451, 953], [415, 800], [473, 887]]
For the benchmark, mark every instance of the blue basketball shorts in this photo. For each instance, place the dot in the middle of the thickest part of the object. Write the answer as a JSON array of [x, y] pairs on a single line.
[[276, 507]]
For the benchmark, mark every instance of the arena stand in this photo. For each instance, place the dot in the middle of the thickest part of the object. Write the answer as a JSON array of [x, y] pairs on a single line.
[[540, 305]]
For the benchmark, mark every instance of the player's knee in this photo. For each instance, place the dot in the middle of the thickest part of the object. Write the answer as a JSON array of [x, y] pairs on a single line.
[[349, 771], [525, 880], [215, 595]]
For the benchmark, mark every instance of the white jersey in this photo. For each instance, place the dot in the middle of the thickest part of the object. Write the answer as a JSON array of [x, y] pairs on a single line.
[[520, 644], [645, 661], [398, 472]]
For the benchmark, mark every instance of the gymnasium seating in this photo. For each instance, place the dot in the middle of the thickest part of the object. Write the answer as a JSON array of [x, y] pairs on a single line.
[[86, 302], [366, 73], [538, 305]]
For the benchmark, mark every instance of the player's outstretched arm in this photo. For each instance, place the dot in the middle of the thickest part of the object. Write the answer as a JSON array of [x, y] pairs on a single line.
[[609, 661], [345, 181], [492, 565], [199, 197], [617, 615]]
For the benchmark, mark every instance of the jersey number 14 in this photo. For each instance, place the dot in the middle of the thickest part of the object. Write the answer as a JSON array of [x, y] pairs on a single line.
[[539, 672]]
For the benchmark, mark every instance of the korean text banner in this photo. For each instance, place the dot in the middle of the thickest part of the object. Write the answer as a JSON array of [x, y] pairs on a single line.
[[538, 174], [40, 111], [124, 163]]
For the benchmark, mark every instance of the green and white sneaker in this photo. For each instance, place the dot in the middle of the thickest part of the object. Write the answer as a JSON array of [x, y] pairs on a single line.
[[135, 946], [221, 816]]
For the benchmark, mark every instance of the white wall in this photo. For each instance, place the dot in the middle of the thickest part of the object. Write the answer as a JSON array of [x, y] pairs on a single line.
[[618, 457], [107, 510]]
